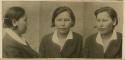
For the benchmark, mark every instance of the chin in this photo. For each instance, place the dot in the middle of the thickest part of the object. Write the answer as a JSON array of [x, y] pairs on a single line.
[[104, 33], [24, 31], [63, 32]]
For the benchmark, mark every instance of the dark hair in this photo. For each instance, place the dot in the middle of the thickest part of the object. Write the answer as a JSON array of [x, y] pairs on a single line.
[[14, 13], [60, 10], [112, 13]]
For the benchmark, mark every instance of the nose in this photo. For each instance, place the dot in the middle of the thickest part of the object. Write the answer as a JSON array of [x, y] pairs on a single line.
[[101, 24], [27, 23], [63, 23]]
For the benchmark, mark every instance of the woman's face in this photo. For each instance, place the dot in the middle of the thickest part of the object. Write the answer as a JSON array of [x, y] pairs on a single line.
[[104, 23], [22, 25], [63, 22]]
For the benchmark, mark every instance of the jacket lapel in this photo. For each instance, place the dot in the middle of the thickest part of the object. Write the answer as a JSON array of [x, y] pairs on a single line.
[[96, 49], [69, 47], [114, 47]]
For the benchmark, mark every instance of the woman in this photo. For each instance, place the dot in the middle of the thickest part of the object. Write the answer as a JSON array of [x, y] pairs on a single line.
[[107, 43], [14, 45], [63, 43]]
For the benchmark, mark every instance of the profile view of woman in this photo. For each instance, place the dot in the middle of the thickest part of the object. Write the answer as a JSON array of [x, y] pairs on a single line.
[[107, 43], [14, 45], [62, 43]]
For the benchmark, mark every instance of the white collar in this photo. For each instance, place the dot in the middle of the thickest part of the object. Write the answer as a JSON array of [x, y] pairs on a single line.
[[11, 33], [99, 38], [56, 40]]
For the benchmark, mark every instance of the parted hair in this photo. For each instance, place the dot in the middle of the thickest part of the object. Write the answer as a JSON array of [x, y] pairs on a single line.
[[60, 10]]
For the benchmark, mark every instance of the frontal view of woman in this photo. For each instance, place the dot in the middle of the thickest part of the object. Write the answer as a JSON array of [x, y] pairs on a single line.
[[107, 43], [62, 43], [14, 45]]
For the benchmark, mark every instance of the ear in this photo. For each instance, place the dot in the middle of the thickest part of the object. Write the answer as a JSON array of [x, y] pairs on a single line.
[[114, 22], [72, 24], [14, 22]]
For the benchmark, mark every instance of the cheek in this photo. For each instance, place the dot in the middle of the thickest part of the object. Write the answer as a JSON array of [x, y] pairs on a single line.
[[22, 25], [109, 24], [97, 24], [69, 23], [57, 23]]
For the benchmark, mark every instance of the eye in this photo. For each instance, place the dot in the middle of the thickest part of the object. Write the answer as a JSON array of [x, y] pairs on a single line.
[[104, 20], [98, 20], [25, 20], [67, 19], [59, 19]]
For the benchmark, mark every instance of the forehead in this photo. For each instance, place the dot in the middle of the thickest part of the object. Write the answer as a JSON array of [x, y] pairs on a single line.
[[103, 14], [23, 17], [63, 14]]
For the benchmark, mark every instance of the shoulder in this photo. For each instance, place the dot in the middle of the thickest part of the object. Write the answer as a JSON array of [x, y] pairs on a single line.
[[77, 35], [92, 36], [9, 42], [10, 46], [47, 37], [119, 34], [7, 39]]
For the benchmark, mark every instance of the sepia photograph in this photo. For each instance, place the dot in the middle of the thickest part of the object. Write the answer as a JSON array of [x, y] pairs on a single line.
[[106, 40], [53, 29]]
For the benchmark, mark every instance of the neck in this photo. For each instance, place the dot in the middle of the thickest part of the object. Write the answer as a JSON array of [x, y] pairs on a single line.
[[17, 32], [107, 36], [62, 36]]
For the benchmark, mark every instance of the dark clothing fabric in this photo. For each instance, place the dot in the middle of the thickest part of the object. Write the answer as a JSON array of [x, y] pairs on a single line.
[[72, 48], [14, 49], [95, 50]]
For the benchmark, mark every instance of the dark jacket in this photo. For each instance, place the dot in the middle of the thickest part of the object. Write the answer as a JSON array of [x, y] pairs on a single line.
[[14, 49], [95, 50], [72, 48]]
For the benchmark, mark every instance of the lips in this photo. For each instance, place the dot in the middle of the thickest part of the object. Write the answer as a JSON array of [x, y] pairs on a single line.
[[101, 29], [62, 28]]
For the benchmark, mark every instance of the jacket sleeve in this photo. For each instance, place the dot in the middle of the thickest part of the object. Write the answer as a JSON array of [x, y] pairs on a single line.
[[86, 48], [81, 47], [11, 52], [42, 47]]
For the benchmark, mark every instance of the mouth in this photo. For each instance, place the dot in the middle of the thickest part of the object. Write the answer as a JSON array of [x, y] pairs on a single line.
[[101, 29], [62, 28]]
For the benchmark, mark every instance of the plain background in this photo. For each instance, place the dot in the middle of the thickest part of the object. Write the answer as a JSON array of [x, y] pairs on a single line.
[[40, 14]]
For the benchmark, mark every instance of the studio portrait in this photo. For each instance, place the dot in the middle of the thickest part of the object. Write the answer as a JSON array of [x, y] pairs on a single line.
[[46, 29], [106, 40], [16, 24], [52, 31]]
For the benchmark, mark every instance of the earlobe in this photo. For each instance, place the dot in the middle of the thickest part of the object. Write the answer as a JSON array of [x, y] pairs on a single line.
[[14, 23]]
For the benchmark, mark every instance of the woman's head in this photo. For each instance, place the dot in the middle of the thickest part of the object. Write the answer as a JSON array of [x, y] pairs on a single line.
[[106, 19], [15, 18], [63, 19]]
